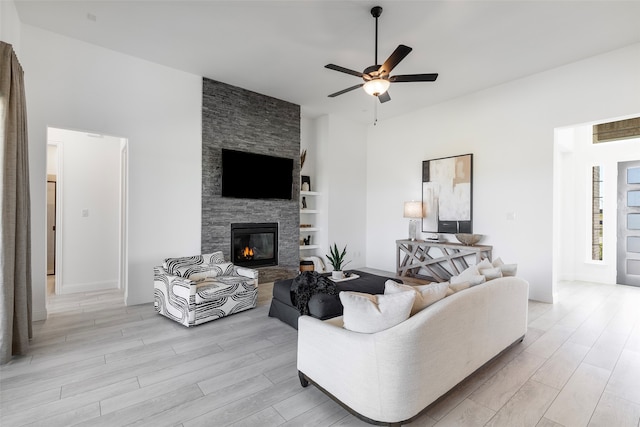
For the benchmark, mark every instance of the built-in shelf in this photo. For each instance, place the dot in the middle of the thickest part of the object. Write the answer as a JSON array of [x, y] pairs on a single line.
[[304, 247], [310, 198]]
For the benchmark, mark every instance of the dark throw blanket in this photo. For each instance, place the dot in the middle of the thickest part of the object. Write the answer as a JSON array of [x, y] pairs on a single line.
[[307, 284]]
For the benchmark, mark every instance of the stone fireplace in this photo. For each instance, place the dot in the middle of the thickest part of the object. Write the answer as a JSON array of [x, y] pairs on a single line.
[[237, 119], [254, 244]]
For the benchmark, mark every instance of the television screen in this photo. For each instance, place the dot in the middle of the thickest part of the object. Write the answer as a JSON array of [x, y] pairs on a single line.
[[256, 176]]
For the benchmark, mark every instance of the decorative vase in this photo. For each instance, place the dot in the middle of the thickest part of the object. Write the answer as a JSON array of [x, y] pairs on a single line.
[[337, 274]]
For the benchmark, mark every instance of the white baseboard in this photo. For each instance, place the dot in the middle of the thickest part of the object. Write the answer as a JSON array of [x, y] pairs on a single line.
[[88, 287]]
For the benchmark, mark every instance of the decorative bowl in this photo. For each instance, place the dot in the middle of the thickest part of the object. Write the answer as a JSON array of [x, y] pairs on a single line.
[[469, 239]]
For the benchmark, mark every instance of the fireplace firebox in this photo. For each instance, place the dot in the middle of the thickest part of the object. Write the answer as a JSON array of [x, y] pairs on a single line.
[[254, 244]]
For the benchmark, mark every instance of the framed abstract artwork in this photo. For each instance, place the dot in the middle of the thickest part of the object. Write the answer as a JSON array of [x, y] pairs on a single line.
[[447, 194]]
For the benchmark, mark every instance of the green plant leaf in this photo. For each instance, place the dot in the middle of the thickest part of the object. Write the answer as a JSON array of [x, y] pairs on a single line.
[[336, 258]]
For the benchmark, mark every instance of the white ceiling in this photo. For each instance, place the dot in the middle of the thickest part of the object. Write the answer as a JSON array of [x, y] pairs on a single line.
[[279, 48]]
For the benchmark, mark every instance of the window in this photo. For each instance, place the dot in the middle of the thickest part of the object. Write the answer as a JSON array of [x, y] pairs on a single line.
[[596, 213]]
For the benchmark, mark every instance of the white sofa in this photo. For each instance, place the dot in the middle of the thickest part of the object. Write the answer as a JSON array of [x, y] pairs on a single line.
[[389, 377]]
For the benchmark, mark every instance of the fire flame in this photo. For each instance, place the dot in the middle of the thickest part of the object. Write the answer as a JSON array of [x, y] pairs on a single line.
[[247, 252]]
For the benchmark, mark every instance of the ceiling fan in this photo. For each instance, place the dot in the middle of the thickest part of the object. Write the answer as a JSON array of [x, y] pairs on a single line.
[[376, 77]]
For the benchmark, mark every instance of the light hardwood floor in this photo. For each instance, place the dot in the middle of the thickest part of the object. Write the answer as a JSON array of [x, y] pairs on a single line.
[[96, 362]]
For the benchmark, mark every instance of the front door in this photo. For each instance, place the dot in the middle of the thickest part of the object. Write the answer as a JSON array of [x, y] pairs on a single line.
[[628, 223]]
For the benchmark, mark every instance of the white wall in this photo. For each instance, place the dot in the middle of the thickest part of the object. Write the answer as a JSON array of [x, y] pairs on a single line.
[[341, 176], [575, 257], [510, 131], [308, 142], [89, 180], [10, 25], [75, 85]]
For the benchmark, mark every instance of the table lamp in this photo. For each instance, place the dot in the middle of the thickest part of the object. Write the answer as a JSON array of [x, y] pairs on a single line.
[[413, 210]]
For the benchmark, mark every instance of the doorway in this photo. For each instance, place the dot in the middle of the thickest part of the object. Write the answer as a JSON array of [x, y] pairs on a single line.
[[628, 256], [88, 212], [580, 211]]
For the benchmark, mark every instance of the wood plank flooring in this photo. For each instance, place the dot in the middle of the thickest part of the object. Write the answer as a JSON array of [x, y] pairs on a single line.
[[96, 362]]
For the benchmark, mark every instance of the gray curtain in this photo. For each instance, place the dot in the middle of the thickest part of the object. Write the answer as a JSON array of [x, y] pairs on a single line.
[[15, 252]]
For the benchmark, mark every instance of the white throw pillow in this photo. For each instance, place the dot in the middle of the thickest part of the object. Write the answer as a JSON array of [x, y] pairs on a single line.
[[457, 287], [425, 294], [491, 273], [485, 263], [507, 269], [368, 313], [470, 271], [473, 280], [213, 258], [208, 271]]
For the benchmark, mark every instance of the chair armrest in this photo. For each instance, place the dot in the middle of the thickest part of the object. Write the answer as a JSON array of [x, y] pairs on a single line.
[[160, 274], [245, 272]]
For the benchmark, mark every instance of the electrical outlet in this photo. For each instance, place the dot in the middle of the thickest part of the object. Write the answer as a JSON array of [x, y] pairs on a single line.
[[85, 213], [511, 216]]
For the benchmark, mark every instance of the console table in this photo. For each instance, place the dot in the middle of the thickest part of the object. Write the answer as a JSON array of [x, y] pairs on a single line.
[[450, 261]]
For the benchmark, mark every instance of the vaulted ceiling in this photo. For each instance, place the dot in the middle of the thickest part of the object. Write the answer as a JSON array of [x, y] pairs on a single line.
[[279, 48]]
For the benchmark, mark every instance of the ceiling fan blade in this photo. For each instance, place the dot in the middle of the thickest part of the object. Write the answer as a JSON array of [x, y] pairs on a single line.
[[349, 89], [395, 58], [414, 78], [343, 70], [384, 97]]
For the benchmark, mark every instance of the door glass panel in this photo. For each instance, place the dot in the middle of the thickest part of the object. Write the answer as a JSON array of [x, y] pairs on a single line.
[[633, 221], [633, 244], [633, 176], [596, 213], [633, 198], [633, 266]]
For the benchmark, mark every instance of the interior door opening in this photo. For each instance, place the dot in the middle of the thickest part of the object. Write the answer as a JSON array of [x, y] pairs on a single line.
[[87, 238]]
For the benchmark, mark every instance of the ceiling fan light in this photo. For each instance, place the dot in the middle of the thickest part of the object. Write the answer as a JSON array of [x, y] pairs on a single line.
[[376, 87]]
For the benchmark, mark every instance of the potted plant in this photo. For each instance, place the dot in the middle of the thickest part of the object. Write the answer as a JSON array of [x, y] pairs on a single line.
[[336, 259]]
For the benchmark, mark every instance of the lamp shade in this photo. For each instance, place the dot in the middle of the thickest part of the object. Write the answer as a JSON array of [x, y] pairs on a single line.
[[413, 210], [376, 87]]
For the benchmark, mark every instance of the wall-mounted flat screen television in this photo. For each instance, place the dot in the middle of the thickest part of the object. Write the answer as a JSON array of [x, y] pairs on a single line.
[[256, 176]]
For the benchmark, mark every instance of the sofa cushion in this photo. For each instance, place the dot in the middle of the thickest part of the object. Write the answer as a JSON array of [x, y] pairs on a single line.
[[425, 295], [368, 313]]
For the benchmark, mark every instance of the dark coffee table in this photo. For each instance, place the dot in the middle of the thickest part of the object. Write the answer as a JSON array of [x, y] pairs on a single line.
[[322, 306]]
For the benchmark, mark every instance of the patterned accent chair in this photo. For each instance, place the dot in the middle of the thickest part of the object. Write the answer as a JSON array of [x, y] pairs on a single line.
[[197, 289]]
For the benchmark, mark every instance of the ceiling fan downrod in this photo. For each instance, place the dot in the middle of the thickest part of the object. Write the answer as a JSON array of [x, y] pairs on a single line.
[[376, 11]]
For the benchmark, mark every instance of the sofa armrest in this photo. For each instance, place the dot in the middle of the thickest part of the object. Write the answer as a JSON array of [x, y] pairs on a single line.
[[341, 361]]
